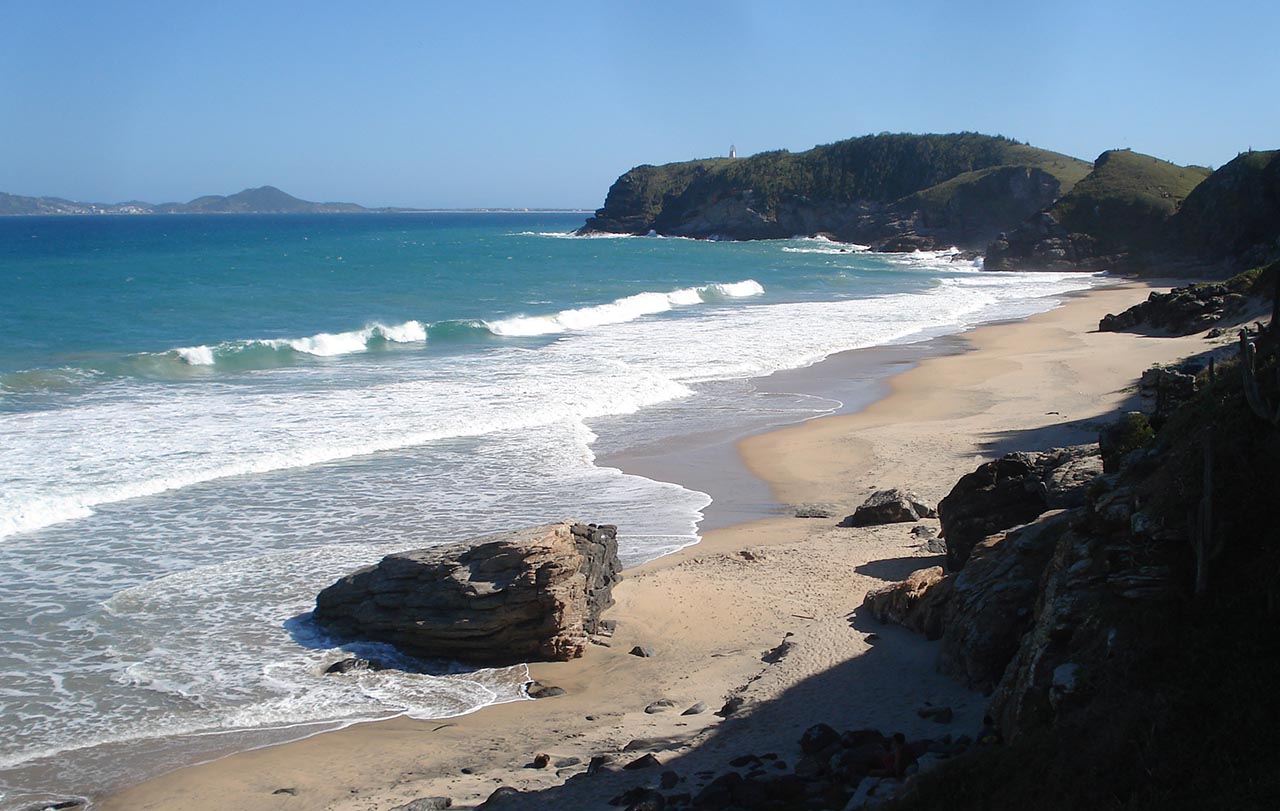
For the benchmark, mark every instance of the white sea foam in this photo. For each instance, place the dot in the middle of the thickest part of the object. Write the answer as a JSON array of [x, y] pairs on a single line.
[[130, 450], [743, 289], [573, 235], [196, 355], [824, 245], [620, 310]]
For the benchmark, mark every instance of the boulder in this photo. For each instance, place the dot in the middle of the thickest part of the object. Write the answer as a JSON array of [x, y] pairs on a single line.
[[1013, 490], [643, 762], [354, 664], [537, 689], [818, 737], [502, 797], [890, 507], [916, 603], [534, 593]]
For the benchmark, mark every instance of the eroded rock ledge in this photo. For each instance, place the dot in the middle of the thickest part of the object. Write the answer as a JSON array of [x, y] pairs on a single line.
[[529, 594]]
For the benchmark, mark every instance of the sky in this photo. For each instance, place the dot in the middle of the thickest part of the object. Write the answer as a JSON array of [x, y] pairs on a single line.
[[544, 104]]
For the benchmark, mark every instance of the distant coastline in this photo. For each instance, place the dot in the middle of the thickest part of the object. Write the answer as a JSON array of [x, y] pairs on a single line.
[[261, 200]]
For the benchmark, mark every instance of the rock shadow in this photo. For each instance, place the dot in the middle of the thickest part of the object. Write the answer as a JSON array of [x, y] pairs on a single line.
[[895, 569]]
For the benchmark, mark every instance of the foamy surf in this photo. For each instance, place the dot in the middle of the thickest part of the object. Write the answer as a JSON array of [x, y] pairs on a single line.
[[622, 310], [323, 344]]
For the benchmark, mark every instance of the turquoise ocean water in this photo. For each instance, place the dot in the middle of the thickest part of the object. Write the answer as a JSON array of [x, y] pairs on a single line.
[[206, 419]]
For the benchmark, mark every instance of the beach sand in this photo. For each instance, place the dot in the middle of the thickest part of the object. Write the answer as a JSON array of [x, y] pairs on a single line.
[[713, 612]]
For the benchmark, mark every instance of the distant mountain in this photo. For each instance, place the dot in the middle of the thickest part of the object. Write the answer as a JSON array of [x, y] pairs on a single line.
[[262, 200], [896, 191]]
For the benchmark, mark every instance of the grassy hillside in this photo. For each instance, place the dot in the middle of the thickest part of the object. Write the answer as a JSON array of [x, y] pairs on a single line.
[[1127, 200], [1235, 214]]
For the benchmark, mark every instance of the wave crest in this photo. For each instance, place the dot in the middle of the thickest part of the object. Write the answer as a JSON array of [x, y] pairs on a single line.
[[323, 344], [622, 310]]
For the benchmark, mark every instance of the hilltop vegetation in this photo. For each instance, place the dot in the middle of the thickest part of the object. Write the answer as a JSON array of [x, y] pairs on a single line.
[[872, 188], [1234, 216], [1140, 214], [1127, 199]]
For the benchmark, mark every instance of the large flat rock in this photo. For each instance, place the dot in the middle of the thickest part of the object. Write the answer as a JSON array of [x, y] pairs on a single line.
[[529, 594]]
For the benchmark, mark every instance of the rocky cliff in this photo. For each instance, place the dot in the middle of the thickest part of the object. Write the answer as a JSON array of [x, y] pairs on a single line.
[[517, 596], [1108, 634], [895, 191]]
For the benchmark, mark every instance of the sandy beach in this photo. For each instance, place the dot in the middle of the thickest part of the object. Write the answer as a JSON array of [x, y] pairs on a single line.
[[765, 611]]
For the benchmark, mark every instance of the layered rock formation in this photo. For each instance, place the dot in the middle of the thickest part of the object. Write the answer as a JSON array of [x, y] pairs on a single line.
[[533, 593]]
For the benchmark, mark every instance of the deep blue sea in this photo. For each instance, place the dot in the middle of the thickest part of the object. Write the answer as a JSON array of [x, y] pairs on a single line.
[[204, 420]]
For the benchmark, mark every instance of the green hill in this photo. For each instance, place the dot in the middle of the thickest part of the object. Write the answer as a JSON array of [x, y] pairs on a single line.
[[871, 188], [1121, 210], [1127, 199], [1234, 216]]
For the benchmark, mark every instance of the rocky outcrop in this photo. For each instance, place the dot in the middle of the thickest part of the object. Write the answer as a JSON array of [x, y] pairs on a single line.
[[1041, 242], [917, 603], [533, 593], [890, 507], [991, 604], [1181, 311], [1013, 490]]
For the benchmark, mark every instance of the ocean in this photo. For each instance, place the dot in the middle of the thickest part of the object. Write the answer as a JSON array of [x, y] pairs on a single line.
[[204, 420]]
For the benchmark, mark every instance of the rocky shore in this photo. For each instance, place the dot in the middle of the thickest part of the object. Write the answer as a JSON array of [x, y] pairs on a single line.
[[772, 679]]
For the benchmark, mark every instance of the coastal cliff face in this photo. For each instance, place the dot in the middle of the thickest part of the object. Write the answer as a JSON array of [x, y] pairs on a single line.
[[530, 594], [897, 192], [1107, 634]]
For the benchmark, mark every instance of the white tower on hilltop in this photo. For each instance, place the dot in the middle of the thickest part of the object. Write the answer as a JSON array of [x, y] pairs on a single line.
[[733, 151]]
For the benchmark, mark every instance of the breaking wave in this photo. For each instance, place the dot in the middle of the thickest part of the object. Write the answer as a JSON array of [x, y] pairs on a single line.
[[622, 310]]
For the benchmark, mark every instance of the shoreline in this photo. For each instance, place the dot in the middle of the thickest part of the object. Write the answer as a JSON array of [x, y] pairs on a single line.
[[711, 609]]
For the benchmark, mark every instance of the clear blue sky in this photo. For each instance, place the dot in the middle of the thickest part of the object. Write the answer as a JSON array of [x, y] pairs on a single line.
[[457, 104]]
